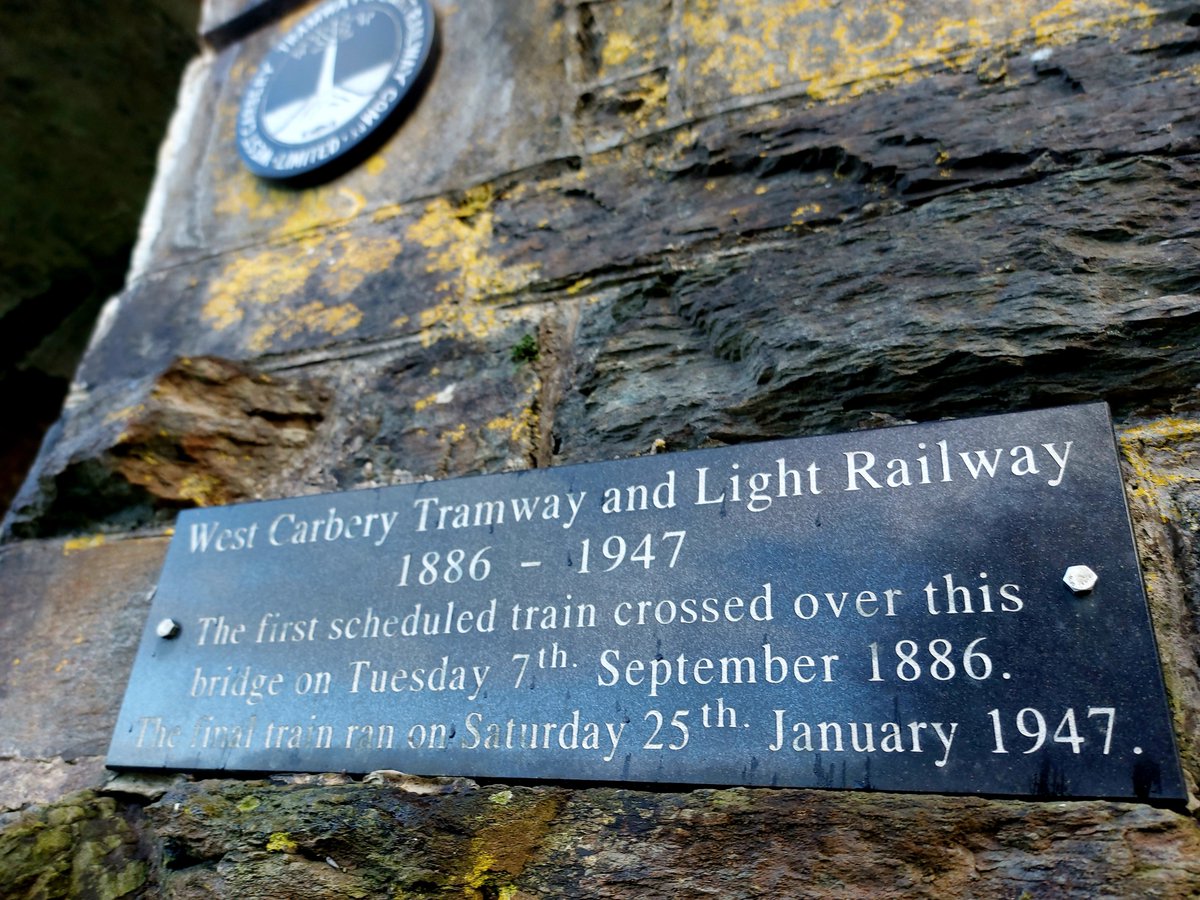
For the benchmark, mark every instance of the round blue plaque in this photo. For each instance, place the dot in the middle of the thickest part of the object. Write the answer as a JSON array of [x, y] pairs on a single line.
[[333, 83]]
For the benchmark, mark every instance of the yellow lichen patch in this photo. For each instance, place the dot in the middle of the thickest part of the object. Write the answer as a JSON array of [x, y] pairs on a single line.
[[652, 91], [834, 50], [1067, 19], [1163, 432], [520, 427], [322, 208], [385, 213], [1146, 447], [354, 257], [242, 196], [263, 277], [312, 318], [800, 213], [1149, 483], [618, 47], [481, 872], [75, 545], [581, 285], [263, 283], [445, 395], [459, 239], [868, 29], [201, 489], [505, 844], [376, 164], [455, 320], [281, 842], [452, 436]]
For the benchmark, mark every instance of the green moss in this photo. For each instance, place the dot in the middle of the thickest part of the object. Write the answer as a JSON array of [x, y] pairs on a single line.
[[732, 799], [123, 882], [525, 350], [249, 804], [51, 840], [79, 847]]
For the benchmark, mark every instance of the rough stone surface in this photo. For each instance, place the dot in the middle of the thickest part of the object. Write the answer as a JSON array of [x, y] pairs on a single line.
[[73, 615], [206, 431], [824, 267], [1161, 484], [613, 228], [35, 782], [82, 846], [787, 175], [255, 839]]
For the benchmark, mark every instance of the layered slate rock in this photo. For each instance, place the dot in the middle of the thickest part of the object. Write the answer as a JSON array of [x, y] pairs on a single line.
[[205, 431]]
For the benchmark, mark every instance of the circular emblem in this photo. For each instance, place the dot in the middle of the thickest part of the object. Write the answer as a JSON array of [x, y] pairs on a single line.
[[331, 83]]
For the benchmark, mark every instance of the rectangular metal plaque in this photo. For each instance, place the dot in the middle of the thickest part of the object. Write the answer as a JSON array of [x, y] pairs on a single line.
[[882, 610]]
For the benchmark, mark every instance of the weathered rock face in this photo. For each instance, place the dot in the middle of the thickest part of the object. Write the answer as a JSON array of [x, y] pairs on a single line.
[[205, 431], [361, 840], [610, 227]]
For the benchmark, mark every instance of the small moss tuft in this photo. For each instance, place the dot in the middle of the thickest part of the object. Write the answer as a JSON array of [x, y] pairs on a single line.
[[525, 350]]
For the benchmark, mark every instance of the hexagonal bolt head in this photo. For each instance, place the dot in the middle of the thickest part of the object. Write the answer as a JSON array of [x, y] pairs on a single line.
[[1080, 579], [167, 628]]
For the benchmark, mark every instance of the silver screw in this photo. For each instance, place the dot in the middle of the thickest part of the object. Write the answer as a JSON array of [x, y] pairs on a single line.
[[1080, 579], [167, 628]]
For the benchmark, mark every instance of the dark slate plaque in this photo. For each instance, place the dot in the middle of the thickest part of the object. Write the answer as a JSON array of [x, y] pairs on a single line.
[[881, 610]]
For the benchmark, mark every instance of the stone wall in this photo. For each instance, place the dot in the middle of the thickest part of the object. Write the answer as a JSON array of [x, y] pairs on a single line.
[[610, 227]]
